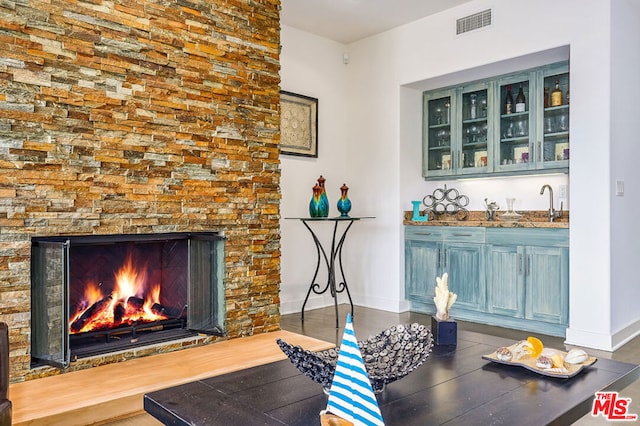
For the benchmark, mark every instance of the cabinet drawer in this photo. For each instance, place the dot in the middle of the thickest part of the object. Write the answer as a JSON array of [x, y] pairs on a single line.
[[423, 233], [546, 237], [464, 234]]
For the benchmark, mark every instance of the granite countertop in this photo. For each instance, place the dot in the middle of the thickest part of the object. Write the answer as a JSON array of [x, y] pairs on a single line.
[[530, 219]]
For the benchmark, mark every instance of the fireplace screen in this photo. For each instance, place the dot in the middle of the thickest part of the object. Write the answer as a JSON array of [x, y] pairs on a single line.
[[98, 294]]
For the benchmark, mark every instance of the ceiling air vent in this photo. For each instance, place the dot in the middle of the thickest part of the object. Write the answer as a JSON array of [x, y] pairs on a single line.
[[473, 22]]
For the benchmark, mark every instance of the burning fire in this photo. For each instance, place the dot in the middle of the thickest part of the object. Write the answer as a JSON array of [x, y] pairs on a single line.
[[126, 304]]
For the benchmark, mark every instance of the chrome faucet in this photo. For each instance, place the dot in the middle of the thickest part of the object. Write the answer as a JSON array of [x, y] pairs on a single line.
[[553, 214]]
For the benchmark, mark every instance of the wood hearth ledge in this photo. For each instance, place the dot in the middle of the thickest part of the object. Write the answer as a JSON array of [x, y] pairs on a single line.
[[116, 391]]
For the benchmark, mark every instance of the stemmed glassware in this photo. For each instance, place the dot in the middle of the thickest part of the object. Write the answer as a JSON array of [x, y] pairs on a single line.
[[437, 115], [474, 131], [508, 132], [441, 137]]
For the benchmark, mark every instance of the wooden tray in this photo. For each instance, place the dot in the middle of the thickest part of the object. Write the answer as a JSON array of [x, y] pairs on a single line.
[[529, 363]]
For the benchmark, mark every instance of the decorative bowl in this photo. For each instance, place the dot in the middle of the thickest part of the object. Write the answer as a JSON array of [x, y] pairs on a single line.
[[388, 356]]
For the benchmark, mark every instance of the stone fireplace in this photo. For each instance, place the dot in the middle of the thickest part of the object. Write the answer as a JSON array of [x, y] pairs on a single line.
[[140, 118], [94, 295]]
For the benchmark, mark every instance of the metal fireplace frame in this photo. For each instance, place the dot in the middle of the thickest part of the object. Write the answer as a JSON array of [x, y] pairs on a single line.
[[50, 305]]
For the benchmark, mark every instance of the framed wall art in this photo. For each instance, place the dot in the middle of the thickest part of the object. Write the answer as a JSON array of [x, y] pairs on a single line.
[[298, 125]]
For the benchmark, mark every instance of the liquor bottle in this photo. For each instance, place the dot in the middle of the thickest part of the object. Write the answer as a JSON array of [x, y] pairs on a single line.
[[520, 101], [508, 101], [546, 97], [556, 95], [473, 113], [447, 111]]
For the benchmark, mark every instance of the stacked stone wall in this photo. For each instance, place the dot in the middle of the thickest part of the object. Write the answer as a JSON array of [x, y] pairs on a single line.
[[146, 116]]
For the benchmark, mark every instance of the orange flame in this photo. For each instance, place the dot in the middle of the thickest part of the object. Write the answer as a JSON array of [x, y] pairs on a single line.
[[129, 281], [122, 308]]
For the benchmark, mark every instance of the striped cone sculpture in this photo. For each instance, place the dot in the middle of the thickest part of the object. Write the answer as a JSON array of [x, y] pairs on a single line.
[[351, 396]]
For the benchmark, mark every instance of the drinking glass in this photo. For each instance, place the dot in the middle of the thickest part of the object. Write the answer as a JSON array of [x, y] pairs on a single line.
[[548, 124], [508, 133], [562, 123], [437, 115], [474, 131]]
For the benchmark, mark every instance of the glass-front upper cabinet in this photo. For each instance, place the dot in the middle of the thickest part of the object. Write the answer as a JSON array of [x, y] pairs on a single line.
[[475, 129], [457, 131], [437, 134], [516, 143], [555, 118], [506, 125]]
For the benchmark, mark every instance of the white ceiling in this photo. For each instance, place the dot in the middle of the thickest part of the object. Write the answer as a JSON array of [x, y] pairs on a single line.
[[346, 21]]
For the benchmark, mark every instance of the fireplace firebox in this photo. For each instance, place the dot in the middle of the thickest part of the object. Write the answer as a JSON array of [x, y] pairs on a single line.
[[92, 295]]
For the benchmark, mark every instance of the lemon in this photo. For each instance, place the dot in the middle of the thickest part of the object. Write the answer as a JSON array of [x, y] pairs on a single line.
[[557, 360], [536, 346]]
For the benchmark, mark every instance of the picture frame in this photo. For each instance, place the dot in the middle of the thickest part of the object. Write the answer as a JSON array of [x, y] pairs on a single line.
[[298, 124]]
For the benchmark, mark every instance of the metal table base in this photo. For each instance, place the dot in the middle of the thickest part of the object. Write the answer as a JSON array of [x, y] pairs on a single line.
[[331, 261]]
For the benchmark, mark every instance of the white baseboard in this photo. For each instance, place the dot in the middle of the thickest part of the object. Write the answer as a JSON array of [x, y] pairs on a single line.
[[605, 342], [388, 305], [295, 306], [625, 335]]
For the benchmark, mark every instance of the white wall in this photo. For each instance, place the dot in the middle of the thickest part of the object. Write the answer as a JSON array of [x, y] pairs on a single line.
[[311, 66], [526, 189], [427, 51], [382, 137], [625, 158]]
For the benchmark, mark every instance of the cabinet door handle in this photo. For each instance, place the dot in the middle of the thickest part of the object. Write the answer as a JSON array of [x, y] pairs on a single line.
[[519, 264], [528, 265], [439, 259], [455, 234], [423, 233], [540, 151]]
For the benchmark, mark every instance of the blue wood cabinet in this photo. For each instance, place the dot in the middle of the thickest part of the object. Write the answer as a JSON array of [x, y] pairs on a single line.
[[431, 251], [464, 262], [528, 276], [512, 277], [505, 278], [457, 128], [469, 131], [422, 260], [547, 284]]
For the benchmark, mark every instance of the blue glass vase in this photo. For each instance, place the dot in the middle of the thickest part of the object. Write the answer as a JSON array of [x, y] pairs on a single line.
[[323, 209], [315, 205], [324, 205], [344, 204]]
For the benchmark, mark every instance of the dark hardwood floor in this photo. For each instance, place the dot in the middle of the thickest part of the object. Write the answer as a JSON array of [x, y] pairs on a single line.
[[320, 323]]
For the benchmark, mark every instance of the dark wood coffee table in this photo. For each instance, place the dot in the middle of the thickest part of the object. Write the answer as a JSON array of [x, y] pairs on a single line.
[[455, 386]]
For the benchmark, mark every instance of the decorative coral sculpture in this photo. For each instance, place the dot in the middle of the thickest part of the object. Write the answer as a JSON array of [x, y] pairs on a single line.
[[444, 298]]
